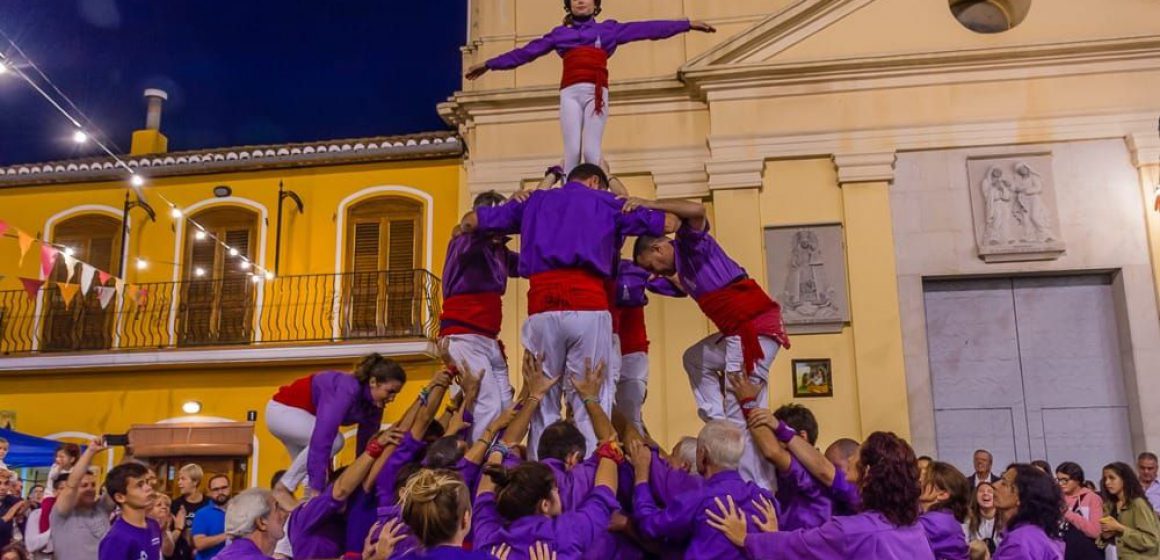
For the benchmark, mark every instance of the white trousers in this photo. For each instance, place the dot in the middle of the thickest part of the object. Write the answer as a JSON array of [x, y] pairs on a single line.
[[294, 427], [632, 387], [567, 339], [482, 355], [583, 129], [715, 401]]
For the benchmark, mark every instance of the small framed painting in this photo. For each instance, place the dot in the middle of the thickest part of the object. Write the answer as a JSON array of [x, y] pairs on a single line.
[[813, 378]]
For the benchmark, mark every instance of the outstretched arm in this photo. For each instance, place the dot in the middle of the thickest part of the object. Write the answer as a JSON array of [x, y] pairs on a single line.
[[813, 460], [536, 386], [516, 57], [658, 29], [759, 419], [66, 500]]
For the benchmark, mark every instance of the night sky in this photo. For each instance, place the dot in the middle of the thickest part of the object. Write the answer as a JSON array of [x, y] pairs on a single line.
[[237, 72]]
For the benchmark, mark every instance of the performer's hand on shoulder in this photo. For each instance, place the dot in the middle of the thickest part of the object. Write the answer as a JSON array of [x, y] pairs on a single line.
[[701, 26]]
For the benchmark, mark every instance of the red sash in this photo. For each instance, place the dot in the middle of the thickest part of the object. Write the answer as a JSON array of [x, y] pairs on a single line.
[[633, 335], [298, 394], [734, 308], [480, 313], [587, 65], [566, 289]]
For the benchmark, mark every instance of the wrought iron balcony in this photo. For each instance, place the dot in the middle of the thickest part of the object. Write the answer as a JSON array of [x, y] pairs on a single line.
[[356, 306]]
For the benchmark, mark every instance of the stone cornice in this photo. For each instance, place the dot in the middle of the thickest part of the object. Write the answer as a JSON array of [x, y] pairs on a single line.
[[1144, 147], [865, 167]]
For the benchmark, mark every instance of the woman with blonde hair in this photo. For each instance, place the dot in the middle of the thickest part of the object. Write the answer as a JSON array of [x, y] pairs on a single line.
[[436, 506]]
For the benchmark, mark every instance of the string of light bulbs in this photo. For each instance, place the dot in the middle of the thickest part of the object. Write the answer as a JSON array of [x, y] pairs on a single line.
[[83, 134]]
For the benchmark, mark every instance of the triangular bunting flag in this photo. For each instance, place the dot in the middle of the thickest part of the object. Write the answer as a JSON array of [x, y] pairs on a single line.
[[87, 273], [68, 292], [105, 295], [32, 286], [131, 293], [103, 277], [142, 296], [25, 244], [3, 227], [120, 287], [71, 263], [47, 259]]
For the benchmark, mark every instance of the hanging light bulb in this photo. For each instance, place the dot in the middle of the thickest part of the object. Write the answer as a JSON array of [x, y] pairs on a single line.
[[70, 251], [269, 275], [245, 264], [255, 278], [136, 180], [80, 137], [3, 68], [199, 272], [176, 213], [141, 264], [233, 252], [200, 235]]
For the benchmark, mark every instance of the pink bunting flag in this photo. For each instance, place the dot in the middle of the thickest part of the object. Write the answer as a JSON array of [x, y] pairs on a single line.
[[3, 227], [32, 286], [87, 273], [47, 259], [103, 277], [105, 295]]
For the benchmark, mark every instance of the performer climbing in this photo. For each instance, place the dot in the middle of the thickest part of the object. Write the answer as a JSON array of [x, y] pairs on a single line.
[[585, 44], [749, 320]]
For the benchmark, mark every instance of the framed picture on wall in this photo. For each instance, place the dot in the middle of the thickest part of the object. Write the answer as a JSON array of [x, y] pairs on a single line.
[[813, 378]]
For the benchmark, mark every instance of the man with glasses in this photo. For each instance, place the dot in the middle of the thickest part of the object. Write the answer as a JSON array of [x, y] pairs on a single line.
[[209, 525]]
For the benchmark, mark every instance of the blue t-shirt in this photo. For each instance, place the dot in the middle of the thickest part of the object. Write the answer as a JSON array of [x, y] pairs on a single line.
[[126, 542], [211, 522]]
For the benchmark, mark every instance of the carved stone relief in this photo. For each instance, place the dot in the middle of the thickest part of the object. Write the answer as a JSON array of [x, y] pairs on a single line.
[[1013, 202]]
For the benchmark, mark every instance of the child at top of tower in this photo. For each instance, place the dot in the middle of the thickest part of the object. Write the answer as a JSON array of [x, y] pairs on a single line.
[[585, 44]]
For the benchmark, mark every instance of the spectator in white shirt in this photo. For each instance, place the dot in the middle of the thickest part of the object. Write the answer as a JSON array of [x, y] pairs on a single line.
[[1146, 467], [39, 543]]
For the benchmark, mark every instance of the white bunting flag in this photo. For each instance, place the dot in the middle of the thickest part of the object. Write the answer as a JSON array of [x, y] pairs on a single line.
[[105, 295], [87, 273], [71, 264]]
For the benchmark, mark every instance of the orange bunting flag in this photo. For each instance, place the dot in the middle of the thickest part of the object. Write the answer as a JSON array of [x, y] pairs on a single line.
[[32, 287], [47, 259], [68, 292], [131, 292], [25, 244]]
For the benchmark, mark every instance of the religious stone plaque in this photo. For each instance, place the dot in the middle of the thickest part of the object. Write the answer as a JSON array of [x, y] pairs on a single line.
[[806, 269], [1013, 206]]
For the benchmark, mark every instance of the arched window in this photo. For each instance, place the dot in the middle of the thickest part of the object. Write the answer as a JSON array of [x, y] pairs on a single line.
[[83, 325], [383, 268], [217, 294]]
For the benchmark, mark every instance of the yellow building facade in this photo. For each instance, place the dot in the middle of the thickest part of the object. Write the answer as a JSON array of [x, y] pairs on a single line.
[[200, 320], [869, 115]]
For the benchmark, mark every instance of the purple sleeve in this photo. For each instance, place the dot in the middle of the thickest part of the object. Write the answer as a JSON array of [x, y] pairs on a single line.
[[520, 56], [664, 287], [641, 221], [513, 263], [329, 411], [822, 542], [470, 473], [367, 428], [485, 522], [1012, 549], [407, 451], [674, 522], [690, 237], [664, 480], [316, 510], [590, 519], [844, 493], [505, 218], [650, 30]]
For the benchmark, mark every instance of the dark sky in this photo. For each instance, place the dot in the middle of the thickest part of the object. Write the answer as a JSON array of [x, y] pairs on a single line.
[[237, 72]]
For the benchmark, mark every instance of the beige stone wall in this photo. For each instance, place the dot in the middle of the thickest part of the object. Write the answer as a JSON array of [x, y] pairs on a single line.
[[794, 114]]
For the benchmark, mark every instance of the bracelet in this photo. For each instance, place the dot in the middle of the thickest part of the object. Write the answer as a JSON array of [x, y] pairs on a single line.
[[499, 447], [748, 405], [374, 449], [784, 432], [424, 395], [591, 400], [610, 450]]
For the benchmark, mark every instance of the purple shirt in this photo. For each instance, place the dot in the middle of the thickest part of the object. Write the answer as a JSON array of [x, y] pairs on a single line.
[[407, 545], [665, 482], [360, 516], [317, 528], [1028, 542], [945, 534], [126, 542], [584, 33], [633, 283], [478, 263], [844, 495], [866, 535], [242, 549], [805, 503], [339, 400], [684, 519], [569, 227], [575, 483], [702, 264], [408, 451], [569, 533], [448, 553]]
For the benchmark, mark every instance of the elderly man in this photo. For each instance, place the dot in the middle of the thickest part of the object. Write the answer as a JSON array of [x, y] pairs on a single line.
[[254, 522], [1146, 468], [683, 521], [983, 462]]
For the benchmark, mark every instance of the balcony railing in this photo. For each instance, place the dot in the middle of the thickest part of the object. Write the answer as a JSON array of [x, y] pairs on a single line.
[[358, 306]]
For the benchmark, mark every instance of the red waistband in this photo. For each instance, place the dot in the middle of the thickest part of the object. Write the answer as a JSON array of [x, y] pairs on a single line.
[[587, 65], [480, 313], [633, 334], [298, 394], [734, 308], [566, 289]]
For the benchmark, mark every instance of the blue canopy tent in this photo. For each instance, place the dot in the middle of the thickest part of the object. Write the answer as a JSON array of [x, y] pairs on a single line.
[[25, 451]]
